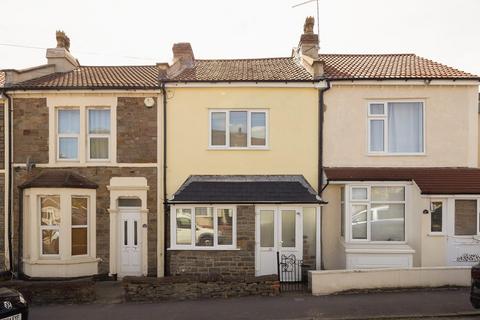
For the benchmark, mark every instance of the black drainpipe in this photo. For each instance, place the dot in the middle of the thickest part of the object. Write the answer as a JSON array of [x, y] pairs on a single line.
[[10, 182], [321, 110], [165, 205]]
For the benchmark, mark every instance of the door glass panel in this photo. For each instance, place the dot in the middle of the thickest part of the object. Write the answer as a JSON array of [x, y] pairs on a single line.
[[184, 226], [125, 232], [267, 225], [359, 222], [465, 217], [204, 227], [225, 226], [135, 242], [288, 228], [436, 216]]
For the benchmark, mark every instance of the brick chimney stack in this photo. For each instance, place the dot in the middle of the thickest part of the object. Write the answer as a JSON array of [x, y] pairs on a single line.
[[60, 57], [183, 53], [309, 43]]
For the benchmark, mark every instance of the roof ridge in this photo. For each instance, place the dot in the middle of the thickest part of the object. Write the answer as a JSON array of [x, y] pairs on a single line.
[[368, 54], [243, 59]]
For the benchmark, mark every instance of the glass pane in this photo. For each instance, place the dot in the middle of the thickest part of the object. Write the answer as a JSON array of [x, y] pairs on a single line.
[[359, 222], [135, 231], [342, 211], [258, 124], [99, 121], [69, 121], [50, 240], [238, 129], [405, 127], [288, 228], [125, 232], [377, 108], [79, 211], [79, 241], [465, 217], [267, 225], [388, 222], [309, 235], [388, 194], [219, 129], [50, 210], [359, 193], [377, 135], [225, 226], [184, 226], [68, 148], [204, 227], [98, 148], [129, 202], [436, 217]]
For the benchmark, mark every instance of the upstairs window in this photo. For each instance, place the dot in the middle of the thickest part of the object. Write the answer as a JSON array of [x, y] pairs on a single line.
[[238, 129], [395, 127], [68, 134], [98, 134]]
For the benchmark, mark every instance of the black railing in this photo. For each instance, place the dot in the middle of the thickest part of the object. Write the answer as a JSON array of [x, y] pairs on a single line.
[[291, 273]]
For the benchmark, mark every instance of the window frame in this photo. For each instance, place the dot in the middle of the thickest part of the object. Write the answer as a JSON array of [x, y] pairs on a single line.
[[384, 117], [368, 203], [97, 135], [192, 245], [455, 217], [67, 135], [227, 129]]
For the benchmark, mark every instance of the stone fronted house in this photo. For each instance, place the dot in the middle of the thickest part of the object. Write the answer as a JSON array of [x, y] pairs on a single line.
[[213, 166]]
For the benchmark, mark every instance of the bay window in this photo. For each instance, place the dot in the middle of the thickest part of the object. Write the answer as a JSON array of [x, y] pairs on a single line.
[[238, 129], [203, 227], [396, 127], [377, 213]]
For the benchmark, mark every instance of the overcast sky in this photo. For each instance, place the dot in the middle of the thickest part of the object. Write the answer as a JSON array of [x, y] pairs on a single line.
[[118, 32]]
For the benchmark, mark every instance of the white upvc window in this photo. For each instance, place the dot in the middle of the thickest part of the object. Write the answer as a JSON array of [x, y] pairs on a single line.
[[68, 134], [396, 127], [203, 227], [98, 139], [467, 217], [377, 213], [84, 134], [238, 129]]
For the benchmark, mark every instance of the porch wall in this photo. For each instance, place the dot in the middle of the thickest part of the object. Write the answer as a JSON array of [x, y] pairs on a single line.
[[239, 262]]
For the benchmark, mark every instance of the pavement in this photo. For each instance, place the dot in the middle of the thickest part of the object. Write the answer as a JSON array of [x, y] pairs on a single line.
[[452, 303]]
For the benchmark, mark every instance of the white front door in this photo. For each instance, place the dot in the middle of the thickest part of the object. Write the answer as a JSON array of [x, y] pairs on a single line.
[[129, 229], [279, 229]]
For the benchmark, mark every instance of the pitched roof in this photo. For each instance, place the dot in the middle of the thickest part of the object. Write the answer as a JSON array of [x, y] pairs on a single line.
[[245, 189], [388, 66], [86, 77], [337, 67], [59, 179], [268, 69], [429, 180]]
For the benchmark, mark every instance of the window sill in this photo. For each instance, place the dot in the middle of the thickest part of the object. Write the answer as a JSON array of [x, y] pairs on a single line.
[[375, 247], [202, 249], [238, 149], [393, 154], [47, 261], [436, 234]]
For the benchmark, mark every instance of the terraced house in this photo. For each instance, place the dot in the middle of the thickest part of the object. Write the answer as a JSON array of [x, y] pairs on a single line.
[[213, 166]]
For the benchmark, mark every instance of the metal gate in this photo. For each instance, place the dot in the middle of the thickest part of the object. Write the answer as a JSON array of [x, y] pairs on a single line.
[[292, 273]]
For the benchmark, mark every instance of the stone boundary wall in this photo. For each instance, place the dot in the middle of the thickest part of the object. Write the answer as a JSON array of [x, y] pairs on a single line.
[[335, 281], [54, 292], [190, 288]]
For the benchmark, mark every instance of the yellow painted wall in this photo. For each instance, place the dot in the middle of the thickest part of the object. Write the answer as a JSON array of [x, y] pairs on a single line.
[[333, 250], [293, 133], [451, 125]]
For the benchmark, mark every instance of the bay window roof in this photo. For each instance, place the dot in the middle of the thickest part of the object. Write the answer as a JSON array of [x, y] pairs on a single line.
[[245, 189], [59, 179]]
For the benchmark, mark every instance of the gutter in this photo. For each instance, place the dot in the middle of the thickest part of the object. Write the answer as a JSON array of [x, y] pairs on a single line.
[[10, 182]]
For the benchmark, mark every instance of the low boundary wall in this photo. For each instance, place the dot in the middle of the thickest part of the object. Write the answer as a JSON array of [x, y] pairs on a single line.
[[334, 281]]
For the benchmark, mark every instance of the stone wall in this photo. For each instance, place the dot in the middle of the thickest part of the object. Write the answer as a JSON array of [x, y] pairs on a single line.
[[2, 135], [136, 141], [30, 130], [186, 287], [58, 292], [102, 176], [3, 267], [226, 263]]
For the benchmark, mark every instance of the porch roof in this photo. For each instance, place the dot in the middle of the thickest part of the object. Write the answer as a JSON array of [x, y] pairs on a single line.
[[59, 179], [245, 189], [440, 180]]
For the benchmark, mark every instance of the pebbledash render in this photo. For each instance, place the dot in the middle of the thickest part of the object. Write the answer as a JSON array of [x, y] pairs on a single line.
[[206, 167]]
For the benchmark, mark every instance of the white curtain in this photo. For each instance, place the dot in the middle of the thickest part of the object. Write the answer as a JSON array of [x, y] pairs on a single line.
[[99, 121], [68, 121], [405, 127]]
